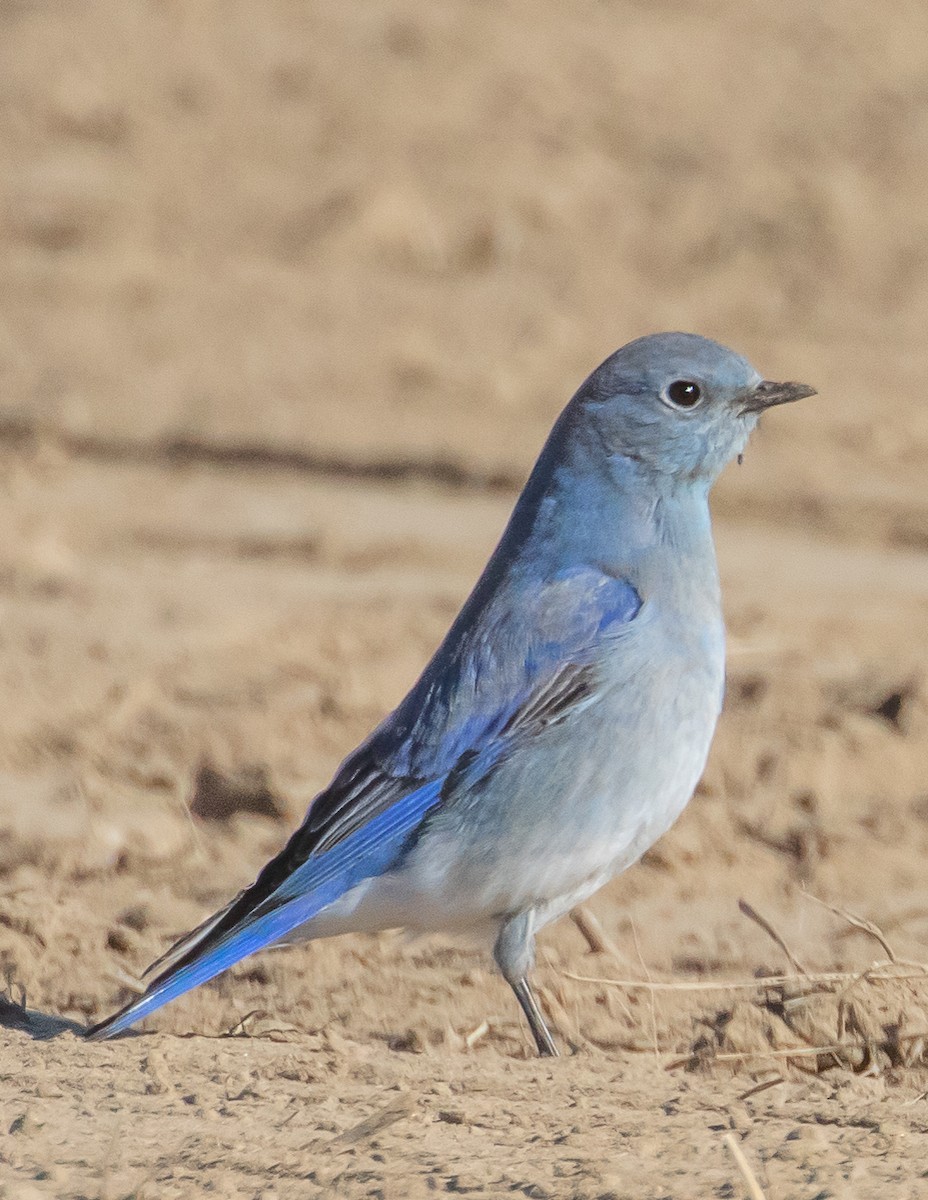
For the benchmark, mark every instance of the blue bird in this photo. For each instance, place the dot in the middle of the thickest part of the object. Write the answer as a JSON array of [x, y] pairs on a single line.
[[563, 723]]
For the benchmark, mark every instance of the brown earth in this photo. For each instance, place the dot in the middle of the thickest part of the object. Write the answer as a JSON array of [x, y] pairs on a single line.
[[290, 296]]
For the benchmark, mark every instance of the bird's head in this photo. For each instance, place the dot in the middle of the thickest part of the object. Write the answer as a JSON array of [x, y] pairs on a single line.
[[679, 404]]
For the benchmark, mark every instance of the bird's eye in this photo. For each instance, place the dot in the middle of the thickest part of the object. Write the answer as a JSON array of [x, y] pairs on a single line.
[[683, 393]]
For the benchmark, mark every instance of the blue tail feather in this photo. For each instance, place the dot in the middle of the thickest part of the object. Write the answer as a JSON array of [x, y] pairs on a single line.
[[319, 882]]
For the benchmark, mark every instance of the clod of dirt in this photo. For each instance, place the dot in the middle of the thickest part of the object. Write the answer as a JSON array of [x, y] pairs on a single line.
[[218, 797], [895, 703]]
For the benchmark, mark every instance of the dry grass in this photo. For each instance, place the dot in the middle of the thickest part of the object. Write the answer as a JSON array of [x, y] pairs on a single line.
[[865, 1020]]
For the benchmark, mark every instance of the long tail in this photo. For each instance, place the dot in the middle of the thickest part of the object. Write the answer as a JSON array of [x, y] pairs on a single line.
[[201, 967], [274, 906]]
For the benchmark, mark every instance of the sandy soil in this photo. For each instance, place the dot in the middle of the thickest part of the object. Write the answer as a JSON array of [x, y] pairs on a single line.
[[291, 294]]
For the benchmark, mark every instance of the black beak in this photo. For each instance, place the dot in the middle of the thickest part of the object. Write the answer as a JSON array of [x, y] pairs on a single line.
[[767, 394]]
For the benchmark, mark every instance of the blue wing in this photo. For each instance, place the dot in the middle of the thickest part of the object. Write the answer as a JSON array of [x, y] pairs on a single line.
[[482, 694]]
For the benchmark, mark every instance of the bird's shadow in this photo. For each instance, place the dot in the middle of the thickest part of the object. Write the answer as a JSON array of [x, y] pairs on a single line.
[[41, 1027]]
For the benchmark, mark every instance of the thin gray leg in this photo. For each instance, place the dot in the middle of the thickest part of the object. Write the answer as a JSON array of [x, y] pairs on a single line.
[[515, 955], [540, 1032]]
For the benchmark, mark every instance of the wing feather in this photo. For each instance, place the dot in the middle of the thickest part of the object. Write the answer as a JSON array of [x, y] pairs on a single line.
[[482, 695]]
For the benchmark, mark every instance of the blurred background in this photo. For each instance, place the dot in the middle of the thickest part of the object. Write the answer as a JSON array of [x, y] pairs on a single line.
[[290, 294]]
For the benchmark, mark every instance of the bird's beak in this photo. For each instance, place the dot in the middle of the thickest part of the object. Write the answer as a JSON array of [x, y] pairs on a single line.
[[767, 394]]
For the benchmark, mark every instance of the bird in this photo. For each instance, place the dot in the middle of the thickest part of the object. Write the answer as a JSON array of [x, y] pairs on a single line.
[[563, 723]]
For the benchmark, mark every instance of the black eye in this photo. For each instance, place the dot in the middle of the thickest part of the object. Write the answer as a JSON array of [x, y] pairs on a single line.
[[683, 393]]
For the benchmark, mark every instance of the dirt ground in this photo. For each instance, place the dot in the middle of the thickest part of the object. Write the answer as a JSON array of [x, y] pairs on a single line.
[[291, 294]]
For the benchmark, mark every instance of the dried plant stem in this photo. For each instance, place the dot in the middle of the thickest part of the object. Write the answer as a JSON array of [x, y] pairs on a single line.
[[752, 914], [874, 974], [755, 1191], [857, 922], [762, 1087], [651, 1003], [471, 1039], [593, 933]]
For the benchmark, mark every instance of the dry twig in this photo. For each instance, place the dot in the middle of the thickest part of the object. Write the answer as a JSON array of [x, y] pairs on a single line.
[[755, 1191], [651, 1003], [471, 1039], [593, 933], [876, 973], [397, 1110], [761, 1087], [857, 922], [752, 914]]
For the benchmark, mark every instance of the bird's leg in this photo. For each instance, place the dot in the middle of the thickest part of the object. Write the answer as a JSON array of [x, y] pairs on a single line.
[[514, 953], [540, 1032]]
